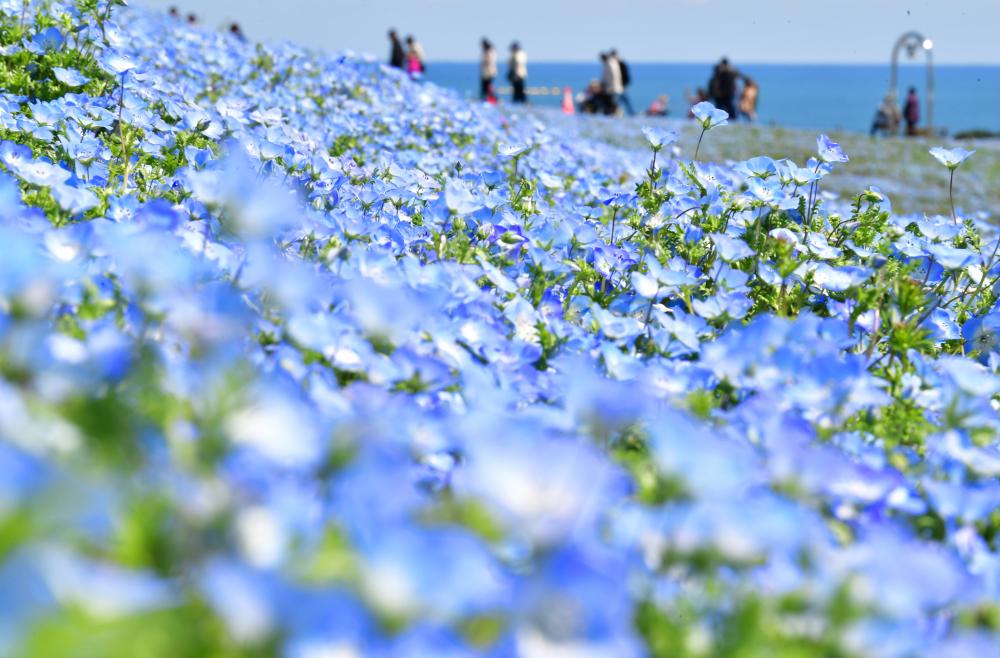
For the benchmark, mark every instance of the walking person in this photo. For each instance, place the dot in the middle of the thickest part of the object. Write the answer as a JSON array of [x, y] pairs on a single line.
[[517, 73], [487, 70], [722, 87], [611, 83], [415, 65], [397, 56], [911, 112], [626, 78]]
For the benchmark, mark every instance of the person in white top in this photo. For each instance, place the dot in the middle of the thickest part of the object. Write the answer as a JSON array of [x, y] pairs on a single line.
[[517, 72], [487, 70], [626, 79], [611, 83], [611, 75]]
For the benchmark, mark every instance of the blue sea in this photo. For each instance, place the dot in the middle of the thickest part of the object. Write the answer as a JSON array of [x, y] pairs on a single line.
[[820, 97]]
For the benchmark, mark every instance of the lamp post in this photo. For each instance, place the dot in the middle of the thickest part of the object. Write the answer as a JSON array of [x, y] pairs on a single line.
[[913, 41]]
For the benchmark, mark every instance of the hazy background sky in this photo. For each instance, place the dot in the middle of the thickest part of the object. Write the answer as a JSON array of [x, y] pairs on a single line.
[[759, 31]]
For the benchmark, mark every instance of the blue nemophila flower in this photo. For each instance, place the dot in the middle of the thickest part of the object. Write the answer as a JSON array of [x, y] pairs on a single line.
[[70, 77], [969, 376], [838, 279], [952, 157], [645, 285], [772, 193], [759, 167], [943, 325], [659, 137], [74, 200], [965, 503], [802, 176], [14, 155], [48, 40], [733, 305], [513, 150], [830, 151], [674, 275], [709, 116], [729, 248], [951, 257], [117, 63], [42, 173], [982, 335]]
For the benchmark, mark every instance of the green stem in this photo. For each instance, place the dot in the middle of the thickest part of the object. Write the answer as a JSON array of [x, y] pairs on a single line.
[[951, 195], [649, 313], [812, 198], [986, 269], [121, 136], [698, 147], [876, 330]]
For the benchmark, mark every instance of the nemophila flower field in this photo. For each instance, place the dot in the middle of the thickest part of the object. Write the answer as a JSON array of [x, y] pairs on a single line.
[[301, 358]]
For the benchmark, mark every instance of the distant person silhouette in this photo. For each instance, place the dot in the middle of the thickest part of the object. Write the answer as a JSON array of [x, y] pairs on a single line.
[[611, 84], [397, 56], [237, 31], [192, 19], [887, 117], [660, 107], [590, 100], [626, 77], [748, 99], [174, 13], [911, 112], [700, 95], [487, 70], [415, 64], [722, 86], [517, 73]]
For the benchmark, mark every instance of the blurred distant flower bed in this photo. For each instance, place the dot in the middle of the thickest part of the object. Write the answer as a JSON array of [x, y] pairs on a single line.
[[301, 358]]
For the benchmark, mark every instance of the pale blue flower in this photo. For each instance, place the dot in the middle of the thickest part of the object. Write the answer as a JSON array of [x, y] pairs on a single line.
[[659, 137], [709, 116], [830, 151], [952, 157], [70, 77]]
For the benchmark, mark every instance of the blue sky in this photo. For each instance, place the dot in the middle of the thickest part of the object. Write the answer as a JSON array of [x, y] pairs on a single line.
[[780, 31]]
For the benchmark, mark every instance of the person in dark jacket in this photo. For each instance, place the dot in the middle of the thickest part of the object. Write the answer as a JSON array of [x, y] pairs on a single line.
[[911, 112], [517, 73], [722, 86], [397, 56]]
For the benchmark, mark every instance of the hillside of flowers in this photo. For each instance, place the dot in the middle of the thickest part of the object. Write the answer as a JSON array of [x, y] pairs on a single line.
[[301, 358]]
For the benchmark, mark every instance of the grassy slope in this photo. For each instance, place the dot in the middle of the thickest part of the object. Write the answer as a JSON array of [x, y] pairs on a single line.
[[900, 167]]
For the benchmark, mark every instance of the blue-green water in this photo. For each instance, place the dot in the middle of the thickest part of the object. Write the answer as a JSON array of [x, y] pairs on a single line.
[[821, 97]]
